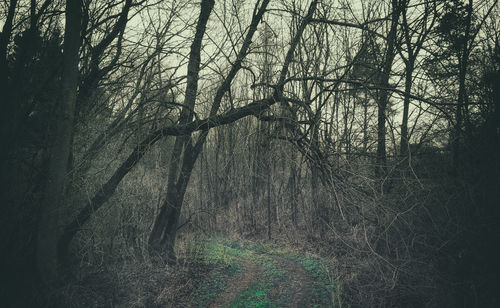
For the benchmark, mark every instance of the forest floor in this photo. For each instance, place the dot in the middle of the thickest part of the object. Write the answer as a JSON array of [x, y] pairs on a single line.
[[253, 274]]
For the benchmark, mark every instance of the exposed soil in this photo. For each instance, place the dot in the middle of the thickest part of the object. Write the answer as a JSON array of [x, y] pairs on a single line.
[[266, 279], [238, 283], [301, 283]]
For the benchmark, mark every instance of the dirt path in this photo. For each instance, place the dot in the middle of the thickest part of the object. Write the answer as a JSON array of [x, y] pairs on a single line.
[[301, 284], [240, 282], [267, 277]]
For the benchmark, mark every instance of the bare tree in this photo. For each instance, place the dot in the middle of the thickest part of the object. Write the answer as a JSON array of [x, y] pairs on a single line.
[[421, 27], [61, 148]]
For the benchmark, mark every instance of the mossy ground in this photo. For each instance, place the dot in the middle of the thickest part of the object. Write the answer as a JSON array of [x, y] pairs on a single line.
[[273, 286]]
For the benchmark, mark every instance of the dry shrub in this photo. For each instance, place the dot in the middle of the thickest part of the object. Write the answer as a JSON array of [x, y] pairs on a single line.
[[388, 250], [136, 281]]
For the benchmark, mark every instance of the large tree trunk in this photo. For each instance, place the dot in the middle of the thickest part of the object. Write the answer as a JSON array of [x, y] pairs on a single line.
[[60, 151], [162, 237]]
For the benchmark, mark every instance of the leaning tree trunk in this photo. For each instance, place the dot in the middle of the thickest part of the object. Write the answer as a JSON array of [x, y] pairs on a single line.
[[48, 230], [162, 237]]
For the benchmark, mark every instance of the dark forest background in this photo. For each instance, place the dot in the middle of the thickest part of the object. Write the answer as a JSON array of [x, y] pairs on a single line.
[[367, 132]]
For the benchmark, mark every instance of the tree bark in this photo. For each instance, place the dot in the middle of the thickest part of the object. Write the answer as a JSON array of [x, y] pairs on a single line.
[[60, 151], [269, 205], [7, 125], [463, 59], [404, 146], [162, 237]]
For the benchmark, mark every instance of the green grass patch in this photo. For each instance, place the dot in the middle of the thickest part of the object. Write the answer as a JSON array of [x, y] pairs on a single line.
[[227, 262], [255, 296], [208, 290], [258, 293], [324, 291], [216, 252]]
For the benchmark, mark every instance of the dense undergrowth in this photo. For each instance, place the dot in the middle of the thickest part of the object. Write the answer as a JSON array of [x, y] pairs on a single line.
[[404, 248], [206, 269]]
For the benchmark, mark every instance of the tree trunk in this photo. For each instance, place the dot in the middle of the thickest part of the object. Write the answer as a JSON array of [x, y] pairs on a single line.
[[8, 116], [404, 146], [60, 151], [365, 125], [269, 205], [316, 207], [293, 190], [162, 237], [458, 134], [383, 97], [463, 59], [381, 163]]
